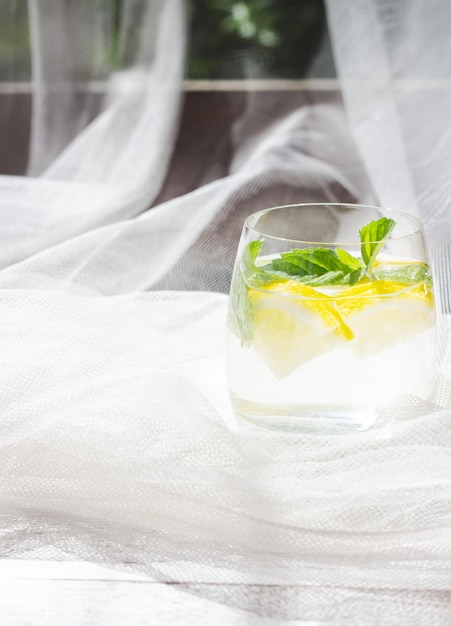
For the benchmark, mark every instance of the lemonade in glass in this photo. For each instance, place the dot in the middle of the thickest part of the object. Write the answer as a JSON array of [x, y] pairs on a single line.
[[331, 317]]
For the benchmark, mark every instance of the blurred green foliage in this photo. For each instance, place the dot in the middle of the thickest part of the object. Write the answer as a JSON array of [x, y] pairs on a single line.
[[254, 38], [228, 38], [14, 41]]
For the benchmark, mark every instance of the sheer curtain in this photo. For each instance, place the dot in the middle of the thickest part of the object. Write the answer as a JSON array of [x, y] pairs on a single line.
[[117, 439], [394, 64], [101, 138]]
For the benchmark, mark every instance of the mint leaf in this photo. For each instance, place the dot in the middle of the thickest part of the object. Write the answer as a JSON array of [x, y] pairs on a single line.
[[247, 273], [284, 268], [353, 277], [372, 237], [350, 261], [241, 314], [314, 262], [250, 255], [258, 275]]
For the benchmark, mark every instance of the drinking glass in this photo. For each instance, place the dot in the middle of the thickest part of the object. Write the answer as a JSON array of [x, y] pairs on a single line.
[[331, 317]]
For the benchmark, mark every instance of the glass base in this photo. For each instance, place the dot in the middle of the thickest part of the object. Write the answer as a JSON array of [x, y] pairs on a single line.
[[310, 419]]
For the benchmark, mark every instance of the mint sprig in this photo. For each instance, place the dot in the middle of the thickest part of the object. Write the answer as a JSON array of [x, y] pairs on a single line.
[[326, 266], [316, 267]]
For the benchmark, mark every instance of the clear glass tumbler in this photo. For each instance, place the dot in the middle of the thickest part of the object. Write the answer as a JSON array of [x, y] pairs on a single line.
[[331, 317]]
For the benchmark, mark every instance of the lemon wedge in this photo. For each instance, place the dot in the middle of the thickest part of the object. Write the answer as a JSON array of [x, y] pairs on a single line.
[[294, 323], [384, 312]]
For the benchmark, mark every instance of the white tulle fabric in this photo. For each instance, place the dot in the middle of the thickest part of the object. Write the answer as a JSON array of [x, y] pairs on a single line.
[[118, 444]]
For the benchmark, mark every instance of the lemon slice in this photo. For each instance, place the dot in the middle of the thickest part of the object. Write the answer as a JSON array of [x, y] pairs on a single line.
[[384, 312], [294, 323]]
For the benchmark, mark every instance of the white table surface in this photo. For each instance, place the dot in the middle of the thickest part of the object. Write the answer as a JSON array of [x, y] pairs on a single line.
[[38, 593]]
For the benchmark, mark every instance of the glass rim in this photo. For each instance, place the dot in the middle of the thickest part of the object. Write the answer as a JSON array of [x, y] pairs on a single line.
[[389, 212]]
